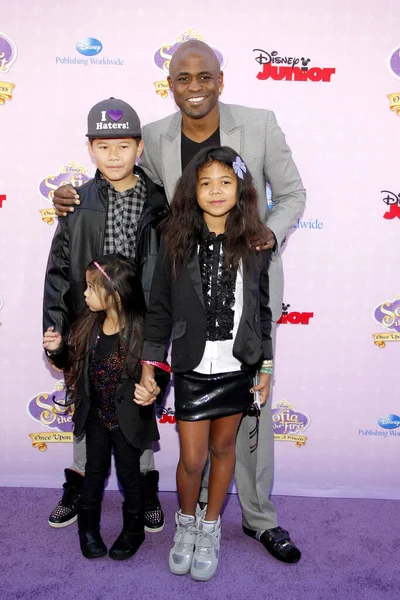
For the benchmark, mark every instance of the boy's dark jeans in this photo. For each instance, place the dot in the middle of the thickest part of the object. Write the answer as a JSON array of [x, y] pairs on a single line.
[[100, 442]]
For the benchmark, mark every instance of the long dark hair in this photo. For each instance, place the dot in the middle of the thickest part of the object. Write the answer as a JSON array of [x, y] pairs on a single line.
[[183, 228], [124, 290]]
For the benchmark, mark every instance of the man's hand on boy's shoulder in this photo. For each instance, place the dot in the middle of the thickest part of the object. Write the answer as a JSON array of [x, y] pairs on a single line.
[[65, 197]]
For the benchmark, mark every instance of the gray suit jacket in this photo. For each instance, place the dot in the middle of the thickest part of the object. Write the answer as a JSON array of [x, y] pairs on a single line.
[[257, 137]]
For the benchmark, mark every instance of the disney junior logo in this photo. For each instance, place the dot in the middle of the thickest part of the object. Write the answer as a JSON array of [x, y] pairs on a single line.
[[43, 410], [294, 317], [289, 68], [162, 58], [392, 201], [166, 415]]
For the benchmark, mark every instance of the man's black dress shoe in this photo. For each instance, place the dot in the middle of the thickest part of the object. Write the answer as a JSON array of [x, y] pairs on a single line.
[[278, 543]]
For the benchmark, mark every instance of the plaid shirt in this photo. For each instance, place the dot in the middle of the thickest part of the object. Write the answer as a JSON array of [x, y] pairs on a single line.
[[124, 210]]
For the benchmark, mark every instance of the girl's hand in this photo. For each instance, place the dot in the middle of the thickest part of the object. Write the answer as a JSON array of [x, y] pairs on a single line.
[[51, 340], [143, 396], [263, 386], [147, 380]]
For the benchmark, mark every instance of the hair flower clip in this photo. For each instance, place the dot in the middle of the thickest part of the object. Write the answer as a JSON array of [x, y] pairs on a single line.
[[239, 167]]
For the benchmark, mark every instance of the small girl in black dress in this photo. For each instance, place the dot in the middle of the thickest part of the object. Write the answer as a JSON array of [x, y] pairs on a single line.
[[101, 358], [210, 296]]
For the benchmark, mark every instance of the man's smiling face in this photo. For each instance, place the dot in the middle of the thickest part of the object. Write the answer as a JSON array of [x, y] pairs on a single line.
[[195, 80]]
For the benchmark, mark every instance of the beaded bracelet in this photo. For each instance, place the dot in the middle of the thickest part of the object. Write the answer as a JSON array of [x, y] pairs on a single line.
[[265, 371], [267, 363]]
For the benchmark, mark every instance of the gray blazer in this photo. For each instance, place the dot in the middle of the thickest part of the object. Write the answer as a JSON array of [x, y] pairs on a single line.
[[257, 137]]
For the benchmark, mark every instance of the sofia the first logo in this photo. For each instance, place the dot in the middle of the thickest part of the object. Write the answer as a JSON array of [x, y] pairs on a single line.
[[162, 58], [387, 314], [55, 417], [72, 173], [289, 424], [8, 54]]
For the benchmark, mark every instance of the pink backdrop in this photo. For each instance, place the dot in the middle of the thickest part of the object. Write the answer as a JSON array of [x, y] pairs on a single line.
[[336, 395]]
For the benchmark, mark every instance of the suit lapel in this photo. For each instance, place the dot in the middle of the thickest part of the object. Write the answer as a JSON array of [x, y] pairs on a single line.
[[230, 133], [170, 144], [193, 269]]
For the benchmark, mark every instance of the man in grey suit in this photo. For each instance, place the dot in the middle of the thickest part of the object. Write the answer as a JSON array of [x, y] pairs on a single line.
[[196, 82]]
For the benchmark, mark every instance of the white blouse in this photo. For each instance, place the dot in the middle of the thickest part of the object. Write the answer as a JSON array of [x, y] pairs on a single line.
[[218, 356]]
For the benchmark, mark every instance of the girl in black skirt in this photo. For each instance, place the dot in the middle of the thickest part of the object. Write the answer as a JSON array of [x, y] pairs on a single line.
[[210, 298]]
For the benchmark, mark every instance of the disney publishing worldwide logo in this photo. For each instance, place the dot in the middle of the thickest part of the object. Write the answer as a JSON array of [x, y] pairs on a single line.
[[289, 424], [8, 54], [387, 314], [88, 48], [289, 68], [389, 422], [72, 173], [310, 224], [294, 317], [162, 58], [42, 409], [392, 201]]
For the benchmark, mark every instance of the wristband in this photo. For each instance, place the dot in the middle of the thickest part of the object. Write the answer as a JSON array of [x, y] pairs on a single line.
[[51, 353], [155, 363], [265, 371]]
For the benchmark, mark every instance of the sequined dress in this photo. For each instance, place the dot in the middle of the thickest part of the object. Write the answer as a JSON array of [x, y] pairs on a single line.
[[105, 370]]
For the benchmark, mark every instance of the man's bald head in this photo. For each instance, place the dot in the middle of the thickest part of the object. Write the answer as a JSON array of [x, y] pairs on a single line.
[[193, 48]]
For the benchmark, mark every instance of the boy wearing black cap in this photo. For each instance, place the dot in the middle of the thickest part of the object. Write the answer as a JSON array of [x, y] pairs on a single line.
[[119, 211]]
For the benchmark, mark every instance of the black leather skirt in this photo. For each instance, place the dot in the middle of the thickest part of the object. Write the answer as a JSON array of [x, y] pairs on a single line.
[[199, 396]]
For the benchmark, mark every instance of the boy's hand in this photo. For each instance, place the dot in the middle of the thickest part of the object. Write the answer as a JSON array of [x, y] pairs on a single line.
[[143, 396], [268, 241], [51, 340], [64, 199], [263, 386]]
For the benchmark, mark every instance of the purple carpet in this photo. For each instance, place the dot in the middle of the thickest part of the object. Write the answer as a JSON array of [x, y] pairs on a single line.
[[351, 550]]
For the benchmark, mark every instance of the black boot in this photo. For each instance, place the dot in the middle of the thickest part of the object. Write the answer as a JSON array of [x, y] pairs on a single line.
[[92, 545], [153, 515], [66, 510], [131, 536]]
